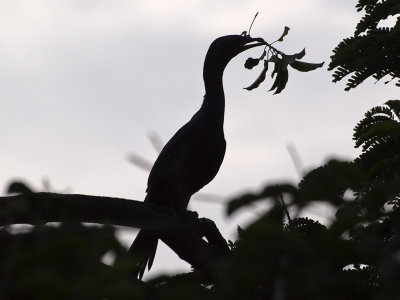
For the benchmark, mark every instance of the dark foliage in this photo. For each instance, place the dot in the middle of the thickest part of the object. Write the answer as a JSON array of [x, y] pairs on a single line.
[[373, 50], [63, 262]]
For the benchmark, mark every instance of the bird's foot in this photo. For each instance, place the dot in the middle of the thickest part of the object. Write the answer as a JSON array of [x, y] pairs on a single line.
[[212, 234]]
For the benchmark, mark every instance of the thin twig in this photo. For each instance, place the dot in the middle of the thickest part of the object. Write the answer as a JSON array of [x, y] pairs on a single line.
[[252, 23], [294, 155]]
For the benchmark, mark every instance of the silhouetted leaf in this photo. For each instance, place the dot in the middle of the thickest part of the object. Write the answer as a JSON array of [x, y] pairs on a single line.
[[300, 55], [383, 128], [260, 78], [251, 63], [394, 106], [281, 77], [285, 32], [243, 200], [278, 62], [304, 66], [289, 59], [270, 191], [274, 58], [330, 181]]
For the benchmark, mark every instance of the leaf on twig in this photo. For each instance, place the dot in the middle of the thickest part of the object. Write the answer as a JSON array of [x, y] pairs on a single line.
[[305, 66], [281, 77], [260, 78], [251, 63], [285, 32], [289, 59], [275, 59], [301, 54]]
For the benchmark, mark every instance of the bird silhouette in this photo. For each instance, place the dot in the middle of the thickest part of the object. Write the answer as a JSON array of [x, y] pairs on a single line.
[[193, 156]]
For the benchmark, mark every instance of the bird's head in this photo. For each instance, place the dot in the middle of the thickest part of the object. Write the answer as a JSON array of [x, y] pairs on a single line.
[[224, 48]]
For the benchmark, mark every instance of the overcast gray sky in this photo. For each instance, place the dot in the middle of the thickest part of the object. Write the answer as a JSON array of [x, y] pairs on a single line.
[[83, 82]]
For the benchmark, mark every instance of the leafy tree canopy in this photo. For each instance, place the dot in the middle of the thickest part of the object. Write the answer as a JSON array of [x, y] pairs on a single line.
[[372, 50]]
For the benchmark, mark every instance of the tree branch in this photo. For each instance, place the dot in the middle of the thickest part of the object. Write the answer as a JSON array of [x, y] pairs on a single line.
[[182, 231]]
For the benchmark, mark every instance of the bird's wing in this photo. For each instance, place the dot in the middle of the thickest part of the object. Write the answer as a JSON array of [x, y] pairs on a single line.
[[187, 162]]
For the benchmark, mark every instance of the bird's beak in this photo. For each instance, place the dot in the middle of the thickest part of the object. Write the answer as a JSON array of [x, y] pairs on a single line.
[[253, 42]]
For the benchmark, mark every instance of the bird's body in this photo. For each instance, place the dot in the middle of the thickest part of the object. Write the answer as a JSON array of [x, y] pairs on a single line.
[[193, 156], [189, 161]]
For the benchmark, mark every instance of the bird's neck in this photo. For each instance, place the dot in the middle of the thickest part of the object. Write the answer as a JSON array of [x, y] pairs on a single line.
[[214, 99]]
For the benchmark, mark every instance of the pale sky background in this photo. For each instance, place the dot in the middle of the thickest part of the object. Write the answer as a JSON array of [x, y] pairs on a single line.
[[82, 83]]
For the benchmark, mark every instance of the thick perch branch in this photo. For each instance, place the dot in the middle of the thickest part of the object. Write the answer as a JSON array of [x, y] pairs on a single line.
[[181, 231]]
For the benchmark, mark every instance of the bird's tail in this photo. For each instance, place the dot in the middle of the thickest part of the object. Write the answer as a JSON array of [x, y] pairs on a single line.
[[144, 249]]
